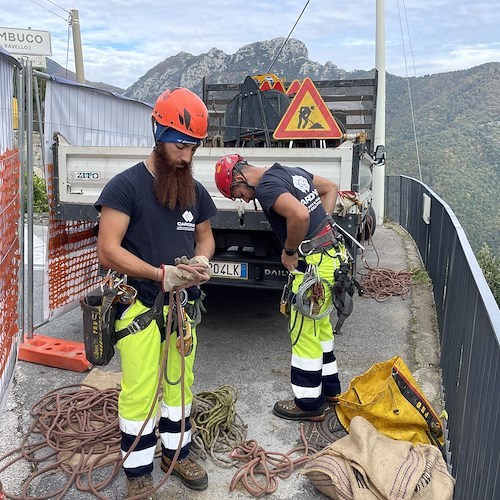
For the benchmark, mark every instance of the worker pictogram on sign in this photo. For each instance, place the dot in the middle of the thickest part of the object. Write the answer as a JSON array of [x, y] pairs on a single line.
[[307, 117]]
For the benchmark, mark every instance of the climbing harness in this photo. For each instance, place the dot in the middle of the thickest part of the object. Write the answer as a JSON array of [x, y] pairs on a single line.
[[309, 299], [326, 239]]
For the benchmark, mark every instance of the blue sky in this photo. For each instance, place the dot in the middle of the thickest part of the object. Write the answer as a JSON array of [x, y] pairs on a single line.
[[122, 40]]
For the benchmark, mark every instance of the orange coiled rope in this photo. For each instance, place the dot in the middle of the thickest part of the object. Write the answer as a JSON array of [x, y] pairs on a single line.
[[262, 468], [76, 431], [380, 283]]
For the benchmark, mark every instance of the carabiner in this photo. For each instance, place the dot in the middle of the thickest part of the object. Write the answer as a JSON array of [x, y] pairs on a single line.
[[301, 252]]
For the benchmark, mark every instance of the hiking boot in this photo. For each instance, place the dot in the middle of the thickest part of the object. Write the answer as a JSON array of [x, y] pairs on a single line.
[[140, 485], [289, 410], [332, 399], [189, 471]]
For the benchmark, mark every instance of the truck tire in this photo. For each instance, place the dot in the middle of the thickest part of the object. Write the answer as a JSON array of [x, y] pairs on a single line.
[[370, 224]]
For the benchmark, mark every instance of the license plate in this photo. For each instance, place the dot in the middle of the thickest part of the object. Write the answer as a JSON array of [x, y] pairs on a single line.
[[229, 270]]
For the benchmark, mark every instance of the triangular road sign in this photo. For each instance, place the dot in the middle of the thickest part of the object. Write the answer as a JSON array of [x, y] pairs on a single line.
[[265, 85], [279, 86], [307, 117], [293, 88]]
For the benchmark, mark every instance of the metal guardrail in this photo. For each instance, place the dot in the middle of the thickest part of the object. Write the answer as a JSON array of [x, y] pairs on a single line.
[[469, 326]]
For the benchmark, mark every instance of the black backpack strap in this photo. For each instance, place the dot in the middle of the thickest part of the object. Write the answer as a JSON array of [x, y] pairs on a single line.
[[143, 320]]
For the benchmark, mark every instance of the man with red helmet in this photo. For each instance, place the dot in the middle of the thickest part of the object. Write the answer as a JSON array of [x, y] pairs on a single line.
[[298, 206], [150, 214]]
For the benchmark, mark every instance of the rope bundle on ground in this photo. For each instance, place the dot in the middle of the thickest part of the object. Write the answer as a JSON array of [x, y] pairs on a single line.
[[76, 431], [380, 283], [262, 468], [218, 427]]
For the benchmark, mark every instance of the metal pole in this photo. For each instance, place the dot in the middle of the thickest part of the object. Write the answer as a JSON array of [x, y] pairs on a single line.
[[77, 46], [29, 181], [379, 133], [22, 205]]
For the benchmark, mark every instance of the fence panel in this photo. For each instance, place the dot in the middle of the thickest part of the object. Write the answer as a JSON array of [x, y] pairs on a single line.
[[84, 116], [10, 257], [469, 325]]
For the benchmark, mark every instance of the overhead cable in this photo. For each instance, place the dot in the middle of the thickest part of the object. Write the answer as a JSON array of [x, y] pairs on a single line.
[[289, 34]]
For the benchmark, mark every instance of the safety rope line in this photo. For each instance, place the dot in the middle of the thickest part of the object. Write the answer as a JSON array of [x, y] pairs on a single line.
[[261, 469], [218, 427], [82, 423], [381, 283]]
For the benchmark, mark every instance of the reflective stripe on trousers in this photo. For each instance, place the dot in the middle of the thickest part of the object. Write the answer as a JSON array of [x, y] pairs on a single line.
[[314, 371], [141, 355]]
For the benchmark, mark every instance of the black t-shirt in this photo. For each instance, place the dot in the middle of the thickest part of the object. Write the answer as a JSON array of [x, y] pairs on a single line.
[[298, 182], [155, 233]]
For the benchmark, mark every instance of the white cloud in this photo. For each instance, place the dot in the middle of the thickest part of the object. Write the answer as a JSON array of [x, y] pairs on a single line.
[[121, 41]]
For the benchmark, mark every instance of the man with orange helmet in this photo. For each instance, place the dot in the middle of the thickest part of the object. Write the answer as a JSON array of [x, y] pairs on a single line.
[[150, 214], [298, 206]]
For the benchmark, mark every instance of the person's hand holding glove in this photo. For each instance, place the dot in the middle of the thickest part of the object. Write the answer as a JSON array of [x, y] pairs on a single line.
[[185, 273], [199, 261]]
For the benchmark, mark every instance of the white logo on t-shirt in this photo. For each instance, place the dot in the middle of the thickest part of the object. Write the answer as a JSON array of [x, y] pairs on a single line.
[[187, 216], [301, 183]]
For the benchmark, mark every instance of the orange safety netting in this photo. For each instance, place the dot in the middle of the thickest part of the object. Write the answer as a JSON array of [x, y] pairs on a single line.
[[73, 268], [9, 253]]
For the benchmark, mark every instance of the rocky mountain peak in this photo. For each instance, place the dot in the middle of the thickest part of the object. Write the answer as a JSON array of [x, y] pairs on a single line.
[[216, 66]]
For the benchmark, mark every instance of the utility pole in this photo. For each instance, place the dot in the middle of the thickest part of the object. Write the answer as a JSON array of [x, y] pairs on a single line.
[[379, 133], [77, 46]]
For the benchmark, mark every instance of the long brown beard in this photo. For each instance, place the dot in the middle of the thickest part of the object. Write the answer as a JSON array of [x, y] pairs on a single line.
[[173, 186]]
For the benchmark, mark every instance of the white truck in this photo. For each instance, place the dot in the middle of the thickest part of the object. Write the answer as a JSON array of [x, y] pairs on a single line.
[[241, 121]]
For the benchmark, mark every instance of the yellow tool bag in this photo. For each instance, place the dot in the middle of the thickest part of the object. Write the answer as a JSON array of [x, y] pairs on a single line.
[[389, 397]]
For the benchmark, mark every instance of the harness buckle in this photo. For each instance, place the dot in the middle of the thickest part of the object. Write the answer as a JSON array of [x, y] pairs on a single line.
[[134, 327]]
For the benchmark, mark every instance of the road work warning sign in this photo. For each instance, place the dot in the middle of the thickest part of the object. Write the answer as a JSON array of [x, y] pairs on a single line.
[[307, 117]]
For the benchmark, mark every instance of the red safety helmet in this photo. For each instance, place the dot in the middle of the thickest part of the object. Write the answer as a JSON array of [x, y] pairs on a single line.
[[224, 171], [182, 110]]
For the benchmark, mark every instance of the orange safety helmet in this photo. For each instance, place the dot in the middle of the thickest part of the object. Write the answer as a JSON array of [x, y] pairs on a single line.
[[182, 110], [224, 171]]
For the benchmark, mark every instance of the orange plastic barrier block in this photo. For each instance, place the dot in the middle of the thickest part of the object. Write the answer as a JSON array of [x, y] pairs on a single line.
[[54, 352]]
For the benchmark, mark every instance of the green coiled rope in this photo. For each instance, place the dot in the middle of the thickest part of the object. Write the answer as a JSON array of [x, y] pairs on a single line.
[[218, 427]]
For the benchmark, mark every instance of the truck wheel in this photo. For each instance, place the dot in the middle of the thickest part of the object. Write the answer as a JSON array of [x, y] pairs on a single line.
[[370, 224]]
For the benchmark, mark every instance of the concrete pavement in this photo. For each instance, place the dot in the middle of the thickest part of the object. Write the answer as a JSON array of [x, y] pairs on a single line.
[[243, 343]]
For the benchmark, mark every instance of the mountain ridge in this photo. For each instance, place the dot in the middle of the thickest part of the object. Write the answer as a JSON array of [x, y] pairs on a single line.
[[454, 115]]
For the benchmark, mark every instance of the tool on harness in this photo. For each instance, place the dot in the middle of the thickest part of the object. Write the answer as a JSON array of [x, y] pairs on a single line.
[[342, 292], [310, 295], [99, 311], [185, 331], [286, 296]]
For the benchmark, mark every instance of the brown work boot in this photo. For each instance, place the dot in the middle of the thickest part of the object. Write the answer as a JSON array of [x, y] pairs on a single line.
[[333, 400], [141, 485], [189, 471], [289, 410]]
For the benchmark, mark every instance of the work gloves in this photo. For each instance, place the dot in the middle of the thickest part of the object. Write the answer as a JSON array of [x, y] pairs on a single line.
[[185, 273]]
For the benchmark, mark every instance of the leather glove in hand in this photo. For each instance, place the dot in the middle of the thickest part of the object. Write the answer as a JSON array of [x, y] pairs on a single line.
[[200, 262], [173, 276]]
